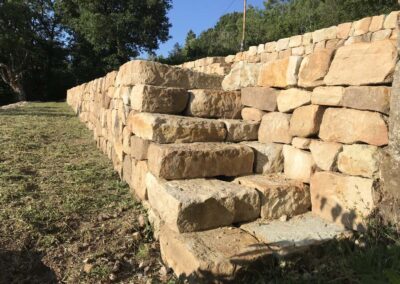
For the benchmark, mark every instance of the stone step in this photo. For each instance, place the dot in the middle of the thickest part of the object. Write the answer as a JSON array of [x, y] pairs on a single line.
[[201, 204], [300, 231], [222, 254], [199, 160], [164, 129], [280, 196]]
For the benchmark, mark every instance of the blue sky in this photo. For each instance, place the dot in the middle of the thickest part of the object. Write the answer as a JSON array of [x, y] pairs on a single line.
[[198, 15]]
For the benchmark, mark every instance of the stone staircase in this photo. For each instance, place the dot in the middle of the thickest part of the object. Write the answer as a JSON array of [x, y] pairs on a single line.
[[277, 162]]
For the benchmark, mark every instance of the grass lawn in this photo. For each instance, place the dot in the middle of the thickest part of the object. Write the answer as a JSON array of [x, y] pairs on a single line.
[[65, 216]]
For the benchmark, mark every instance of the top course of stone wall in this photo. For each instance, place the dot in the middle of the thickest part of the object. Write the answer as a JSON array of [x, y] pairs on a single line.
[[368, 29]]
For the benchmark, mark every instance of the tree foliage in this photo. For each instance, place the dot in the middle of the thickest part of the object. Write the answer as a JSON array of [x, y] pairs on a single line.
[[278, 19]]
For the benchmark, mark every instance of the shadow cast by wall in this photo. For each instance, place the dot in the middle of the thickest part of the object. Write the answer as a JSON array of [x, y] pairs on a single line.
[[24, 267]]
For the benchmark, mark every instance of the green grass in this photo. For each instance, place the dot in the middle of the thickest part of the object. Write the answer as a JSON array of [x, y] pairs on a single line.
[[61, 201]]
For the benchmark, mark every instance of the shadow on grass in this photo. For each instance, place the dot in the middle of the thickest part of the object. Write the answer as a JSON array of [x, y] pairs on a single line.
[[24, 267]]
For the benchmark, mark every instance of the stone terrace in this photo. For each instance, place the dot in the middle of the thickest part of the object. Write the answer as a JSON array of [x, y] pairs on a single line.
[[281, 153]]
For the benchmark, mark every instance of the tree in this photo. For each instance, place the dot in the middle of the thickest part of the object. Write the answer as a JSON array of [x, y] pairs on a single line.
[[107, 33]]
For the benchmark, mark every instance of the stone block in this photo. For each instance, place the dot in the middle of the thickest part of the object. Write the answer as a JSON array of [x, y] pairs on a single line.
[[342, 199], [281, 73], [252, 114], [325, 154], [324, 34], [314, 68], [262, 98], [298, 51], [239, 130], [162, 128], [349, 126], [282, 44], [139, 172], [361, 26], [127, 169], [197, 160], [285, 53], [275, 128], [296, 41], [269, 56], [279, 195], [214, 104], [363, 63], [139, 148], [381, 35], [242, 75], [299, 164], [306, 121], [221, 253], [301, 143], [360, 160], [368, 98], [328, 96], [289, 100], [391, 20], [260, 48], [201, 204], [377, 23], [343, 30], [268, 158], [146, 98], [270, 46]]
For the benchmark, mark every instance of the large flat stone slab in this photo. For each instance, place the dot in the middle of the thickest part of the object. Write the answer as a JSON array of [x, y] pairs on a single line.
[[300, 231], [363, 64], [197, 160], [165, 129], [289, 100], [281, 73], [279, 195], [201, 204], [368, 98], [154, 99], [219, 253], [346, 200], [262, 98], [349, 126], [239, 130], [214, 104], [153, 73]]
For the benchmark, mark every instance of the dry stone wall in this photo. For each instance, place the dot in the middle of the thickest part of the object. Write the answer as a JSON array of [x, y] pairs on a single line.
[[295, 126]]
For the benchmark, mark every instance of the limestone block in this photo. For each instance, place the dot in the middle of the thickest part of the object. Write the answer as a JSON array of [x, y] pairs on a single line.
[[295, 41], [230, 59], [270, 46], [252, 114], [325, 154], [314, 67], [182, 161], [377, 23], [282, 44], [268, 158], [139, 171], [126, 140], [301, 143], [260, 48], [299, 164], [334, 43], [361, 26], [358, 39], [153, 73], [162, 128], [221, 252], [242, 75], [320, 45], [368, 98], [275, 128], [381, 35], [253, 50], [350, 126], [307, 39], [280, 73], [279, 195], [127, 169], [262, 98], [359, 160], [146, 98], [328, 96], [298, 51], [343, 30], [363, 63], [342, 199], [285, 53], [309, 49], [239, 130], [324, 34], [306, 121], [391, 20], [214, 104], [139, 148], [289, 100], [303, 231], [201, 204]]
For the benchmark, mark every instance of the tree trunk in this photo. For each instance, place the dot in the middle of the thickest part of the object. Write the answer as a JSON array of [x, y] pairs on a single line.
[[13, 80], [19, 89]]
